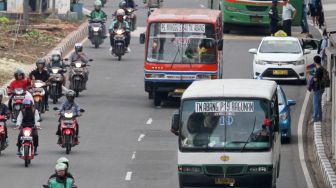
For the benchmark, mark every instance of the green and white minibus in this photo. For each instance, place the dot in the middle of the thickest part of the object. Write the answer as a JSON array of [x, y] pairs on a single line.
[[228, 134]]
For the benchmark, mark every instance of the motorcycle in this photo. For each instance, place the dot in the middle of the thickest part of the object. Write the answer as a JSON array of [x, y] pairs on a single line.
[[3, 143], [68, 129], [96, 32], [77, 79], [18, 97], [103, 2], [47, 186], [56, 81], [119, 43], [152, 6], [27, 146], [38, 95], [130, 18]]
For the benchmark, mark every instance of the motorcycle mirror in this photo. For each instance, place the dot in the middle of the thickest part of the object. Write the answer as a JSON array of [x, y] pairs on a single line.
[[55, 108], [64, 70], [46, 186], [8, 87], [142, 38], [66, 59], [90, 59], [82, 110]]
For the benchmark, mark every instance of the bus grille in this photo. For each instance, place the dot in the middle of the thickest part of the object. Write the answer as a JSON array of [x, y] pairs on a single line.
[[256, 8], [219, 170]]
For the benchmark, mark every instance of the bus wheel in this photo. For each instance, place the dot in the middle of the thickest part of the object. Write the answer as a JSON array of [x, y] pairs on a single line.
[[157, 98], [150, 95]]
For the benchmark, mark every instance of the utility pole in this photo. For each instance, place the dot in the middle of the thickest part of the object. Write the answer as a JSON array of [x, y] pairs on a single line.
[[26, 13]]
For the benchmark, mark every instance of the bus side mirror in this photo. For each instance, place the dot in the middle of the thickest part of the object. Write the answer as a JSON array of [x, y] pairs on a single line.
[[175, 123], [142, 38], [220, 45]]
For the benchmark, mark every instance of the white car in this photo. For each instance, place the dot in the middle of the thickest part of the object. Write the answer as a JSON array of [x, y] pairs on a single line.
[[280, 58]]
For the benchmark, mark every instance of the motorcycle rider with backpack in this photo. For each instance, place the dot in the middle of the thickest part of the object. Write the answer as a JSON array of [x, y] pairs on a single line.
[[61, 180], [69, 104], [67, 173], [4, 112]]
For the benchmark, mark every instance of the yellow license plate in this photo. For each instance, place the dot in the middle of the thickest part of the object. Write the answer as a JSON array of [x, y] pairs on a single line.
[[179, 90], [280, 72], [225, 181]]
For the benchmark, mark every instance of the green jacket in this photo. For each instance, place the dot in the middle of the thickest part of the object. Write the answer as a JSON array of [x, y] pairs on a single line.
[[116, 25], [54, 184], [98, 14]]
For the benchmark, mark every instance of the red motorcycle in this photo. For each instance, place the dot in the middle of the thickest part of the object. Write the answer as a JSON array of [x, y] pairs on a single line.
[[3, 143], [68, 129], [27, 145], [19, 95]]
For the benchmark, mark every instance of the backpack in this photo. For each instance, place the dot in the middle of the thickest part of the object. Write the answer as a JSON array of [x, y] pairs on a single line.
[[325, 81]]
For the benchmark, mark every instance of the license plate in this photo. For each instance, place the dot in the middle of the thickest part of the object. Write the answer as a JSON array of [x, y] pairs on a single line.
[[26, 138], [256, 19], [95, 33], [280, 72], [17, 107], [224, 181], [179, 90]]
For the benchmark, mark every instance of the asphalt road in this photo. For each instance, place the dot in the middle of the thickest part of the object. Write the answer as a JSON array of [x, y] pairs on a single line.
[[125, 141]]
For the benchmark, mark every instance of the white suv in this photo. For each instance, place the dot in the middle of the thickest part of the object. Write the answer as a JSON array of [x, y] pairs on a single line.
[[280, 58]]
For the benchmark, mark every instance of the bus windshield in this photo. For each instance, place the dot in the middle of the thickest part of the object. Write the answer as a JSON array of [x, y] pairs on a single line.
[[231, 124], [181, 43]]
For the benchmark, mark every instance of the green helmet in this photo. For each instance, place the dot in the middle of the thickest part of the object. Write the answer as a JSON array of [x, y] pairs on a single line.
[[63, 160], [60, 167], [98, 3]]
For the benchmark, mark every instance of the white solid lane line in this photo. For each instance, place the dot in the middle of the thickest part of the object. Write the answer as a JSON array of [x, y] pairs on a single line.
[[300, 143], [149, 121], [128, 176], [141, 137], [133, 155]]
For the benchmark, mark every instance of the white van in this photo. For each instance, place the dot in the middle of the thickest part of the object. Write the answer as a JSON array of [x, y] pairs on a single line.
[[228, 134]]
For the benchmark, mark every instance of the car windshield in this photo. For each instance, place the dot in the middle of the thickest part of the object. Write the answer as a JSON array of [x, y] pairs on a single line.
[[181, 43], [232, 124], [280, 46], [281, 97]]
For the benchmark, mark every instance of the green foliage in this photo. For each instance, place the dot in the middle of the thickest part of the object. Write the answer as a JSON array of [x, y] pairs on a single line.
[[38, 36], [4, 20]]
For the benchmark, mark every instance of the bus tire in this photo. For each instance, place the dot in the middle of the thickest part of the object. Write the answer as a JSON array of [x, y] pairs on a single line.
[[157, 98], [181, 184]]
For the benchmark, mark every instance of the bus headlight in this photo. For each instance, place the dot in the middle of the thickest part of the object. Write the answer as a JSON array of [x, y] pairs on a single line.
[[259, 169], [190, 169], [232, 9]]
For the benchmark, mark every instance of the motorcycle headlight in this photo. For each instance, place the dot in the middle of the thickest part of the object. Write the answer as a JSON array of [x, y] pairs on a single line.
[[78, 65], [283, 116], [68, 115], [119, 32], [55, 71], [38, 85], [26, 132], [300, 62], [260, 62], [95, 29]]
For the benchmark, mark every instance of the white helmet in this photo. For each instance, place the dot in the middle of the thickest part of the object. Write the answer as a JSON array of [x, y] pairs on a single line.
[[60, 167], [120, 12]]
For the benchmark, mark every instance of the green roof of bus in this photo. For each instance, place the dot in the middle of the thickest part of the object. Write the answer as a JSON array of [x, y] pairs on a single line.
[[184, 15], [227, 88]]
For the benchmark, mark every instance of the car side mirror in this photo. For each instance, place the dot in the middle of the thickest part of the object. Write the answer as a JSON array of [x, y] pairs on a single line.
[[81, 110], [253, 51], [142, 38], [220, 45], [306, 51], [175, 123], [291, 102], [56, 108]]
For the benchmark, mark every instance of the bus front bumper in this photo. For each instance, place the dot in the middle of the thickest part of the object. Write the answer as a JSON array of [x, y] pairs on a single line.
[[246, 180]]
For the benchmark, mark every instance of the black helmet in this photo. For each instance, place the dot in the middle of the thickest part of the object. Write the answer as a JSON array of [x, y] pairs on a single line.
[[41, 61], [19, 72], [122, 4], [70, 95], [78, 47]]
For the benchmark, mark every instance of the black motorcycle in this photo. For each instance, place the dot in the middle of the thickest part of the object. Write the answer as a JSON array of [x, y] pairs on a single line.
[[119, 46], [77, 76], [56, 81], [96, 32]]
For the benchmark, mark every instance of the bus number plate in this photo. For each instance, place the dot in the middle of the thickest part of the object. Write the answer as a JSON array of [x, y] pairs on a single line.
[[224, 181], [280, 72], [256, 19]]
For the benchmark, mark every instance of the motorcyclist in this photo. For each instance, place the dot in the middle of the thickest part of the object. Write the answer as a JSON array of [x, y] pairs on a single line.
[[67, 173], [61, 180], [28, 117], [153, 3], [97, 13], [69, 104], [126, 4], [4, 112], [41, 74], [19, 82], [56, 61], [79, 55], [120, 23]]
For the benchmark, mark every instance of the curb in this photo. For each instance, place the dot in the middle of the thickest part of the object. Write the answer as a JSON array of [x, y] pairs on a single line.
[[64, 46]]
